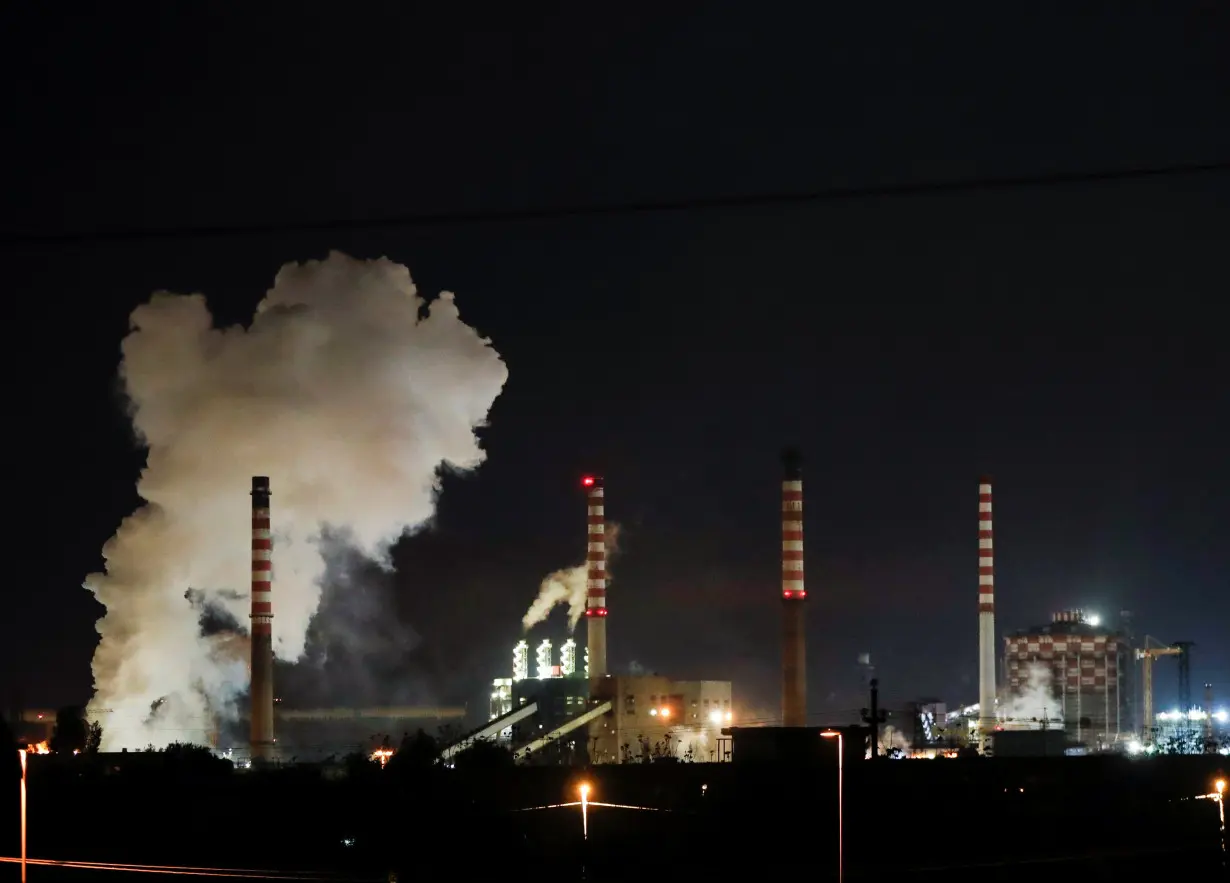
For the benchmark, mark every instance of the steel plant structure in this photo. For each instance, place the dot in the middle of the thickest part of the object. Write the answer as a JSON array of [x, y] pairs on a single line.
[[1090, 669]]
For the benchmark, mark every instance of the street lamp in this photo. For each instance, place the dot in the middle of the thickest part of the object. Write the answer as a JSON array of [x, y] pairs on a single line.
[[584, 789], [22, 754], [841, 839]]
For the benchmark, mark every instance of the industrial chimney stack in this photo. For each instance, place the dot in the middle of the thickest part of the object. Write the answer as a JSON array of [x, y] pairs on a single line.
[[595, 595], [261, 739], [794, 635], [986, 614]]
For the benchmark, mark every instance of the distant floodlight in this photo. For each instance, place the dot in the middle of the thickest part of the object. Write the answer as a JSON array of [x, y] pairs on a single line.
[[1094, 620]]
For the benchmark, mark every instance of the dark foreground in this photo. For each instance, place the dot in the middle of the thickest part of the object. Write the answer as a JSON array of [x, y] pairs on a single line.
[[921, 820]]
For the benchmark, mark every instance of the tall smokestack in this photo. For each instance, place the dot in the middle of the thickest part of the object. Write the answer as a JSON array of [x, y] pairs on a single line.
[[986, 613], [261, 739], [794, 637], [595, 587]]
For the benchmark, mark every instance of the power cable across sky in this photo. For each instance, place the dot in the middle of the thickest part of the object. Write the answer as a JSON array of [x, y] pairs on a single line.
[[562, 212]]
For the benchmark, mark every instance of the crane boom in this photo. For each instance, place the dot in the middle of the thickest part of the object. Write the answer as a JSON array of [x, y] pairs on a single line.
[[1146, 655]]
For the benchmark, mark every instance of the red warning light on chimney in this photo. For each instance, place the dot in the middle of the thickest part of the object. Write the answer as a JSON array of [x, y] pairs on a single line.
[[588, 481]]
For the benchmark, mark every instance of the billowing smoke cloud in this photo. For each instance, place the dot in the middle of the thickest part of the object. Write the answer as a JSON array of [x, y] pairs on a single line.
[[1034, 704], [568, 587], [351, 392]]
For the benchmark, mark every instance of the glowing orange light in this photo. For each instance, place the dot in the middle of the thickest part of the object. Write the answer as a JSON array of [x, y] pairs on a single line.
[[584, 789], [38, 748], [382, 755], [1220, 785]]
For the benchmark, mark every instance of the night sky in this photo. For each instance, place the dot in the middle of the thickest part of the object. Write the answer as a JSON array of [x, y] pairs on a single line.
[[1067, 338]]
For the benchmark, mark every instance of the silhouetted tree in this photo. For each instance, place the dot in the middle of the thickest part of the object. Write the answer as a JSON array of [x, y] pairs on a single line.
[[93, 737], [418, 751], [483, 755], [71, 732], [359, 764], [448, 734]]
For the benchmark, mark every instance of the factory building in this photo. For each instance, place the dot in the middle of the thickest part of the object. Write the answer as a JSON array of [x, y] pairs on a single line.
[[563, 712], [648, 716], [654, 716], [560, 690], [1079, 675]]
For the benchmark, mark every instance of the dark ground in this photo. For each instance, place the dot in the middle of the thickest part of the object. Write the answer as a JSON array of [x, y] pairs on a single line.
[[921, 821]]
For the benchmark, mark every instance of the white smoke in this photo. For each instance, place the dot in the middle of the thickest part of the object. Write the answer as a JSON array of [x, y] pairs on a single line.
[[568, 587], [1033, 704], [891, 739], [349, 392], [693, 744]]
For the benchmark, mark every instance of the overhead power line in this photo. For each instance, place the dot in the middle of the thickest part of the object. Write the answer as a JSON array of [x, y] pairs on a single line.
[[594, 210]]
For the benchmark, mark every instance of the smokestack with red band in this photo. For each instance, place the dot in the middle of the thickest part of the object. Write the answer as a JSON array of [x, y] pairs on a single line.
[[794, 637], [261, 739], [595, 592], [986, 613]]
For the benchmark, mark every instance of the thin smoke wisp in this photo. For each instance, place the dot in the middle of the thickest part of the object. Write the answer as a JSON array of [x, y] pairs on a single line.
[[568, 587], [351, 392]]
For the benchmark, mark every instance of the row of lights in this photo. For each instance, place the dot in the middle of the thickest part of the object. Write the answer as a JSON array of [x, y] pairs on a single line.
[[1196, 714], [715, 717]]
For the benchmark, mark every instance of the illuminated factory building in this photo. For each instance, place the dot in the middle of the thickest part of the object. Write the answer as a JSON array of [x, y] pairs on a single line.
[[1090, 668], [632, 717], [564, 712], [560, 691], [656, 716]]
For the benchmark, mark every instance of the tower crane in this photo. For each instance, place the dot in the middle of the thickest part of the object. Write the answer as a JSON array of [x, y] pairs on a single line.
[[1147, 654]]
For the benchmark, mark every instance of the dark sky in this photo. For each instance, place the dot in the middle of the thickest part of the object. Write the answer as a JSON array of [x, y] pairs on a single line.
[[1069, 339]]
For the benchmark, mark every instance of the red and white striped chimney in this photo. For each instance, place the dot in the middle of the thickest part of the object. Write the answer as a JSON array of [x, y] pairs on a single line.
[[261, 735], [986, 613], [595, 589], [794, 633]]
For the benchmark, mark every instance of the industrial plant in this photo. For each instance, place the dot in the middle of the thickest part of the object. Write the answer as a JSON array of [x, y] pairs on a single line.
[[1089, 669], [1076, 684], [568, 715]]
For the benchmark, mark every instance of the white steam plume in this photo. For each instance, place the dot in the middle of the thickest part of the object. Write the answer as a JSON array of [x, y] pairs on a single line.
[[1034, 704], [568, 587], [349, 393]]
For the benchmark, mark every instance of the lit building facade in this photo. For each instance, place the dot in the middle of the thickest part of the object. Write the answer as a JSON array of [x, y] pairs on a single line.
[[655, 716], [1074, 673]]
